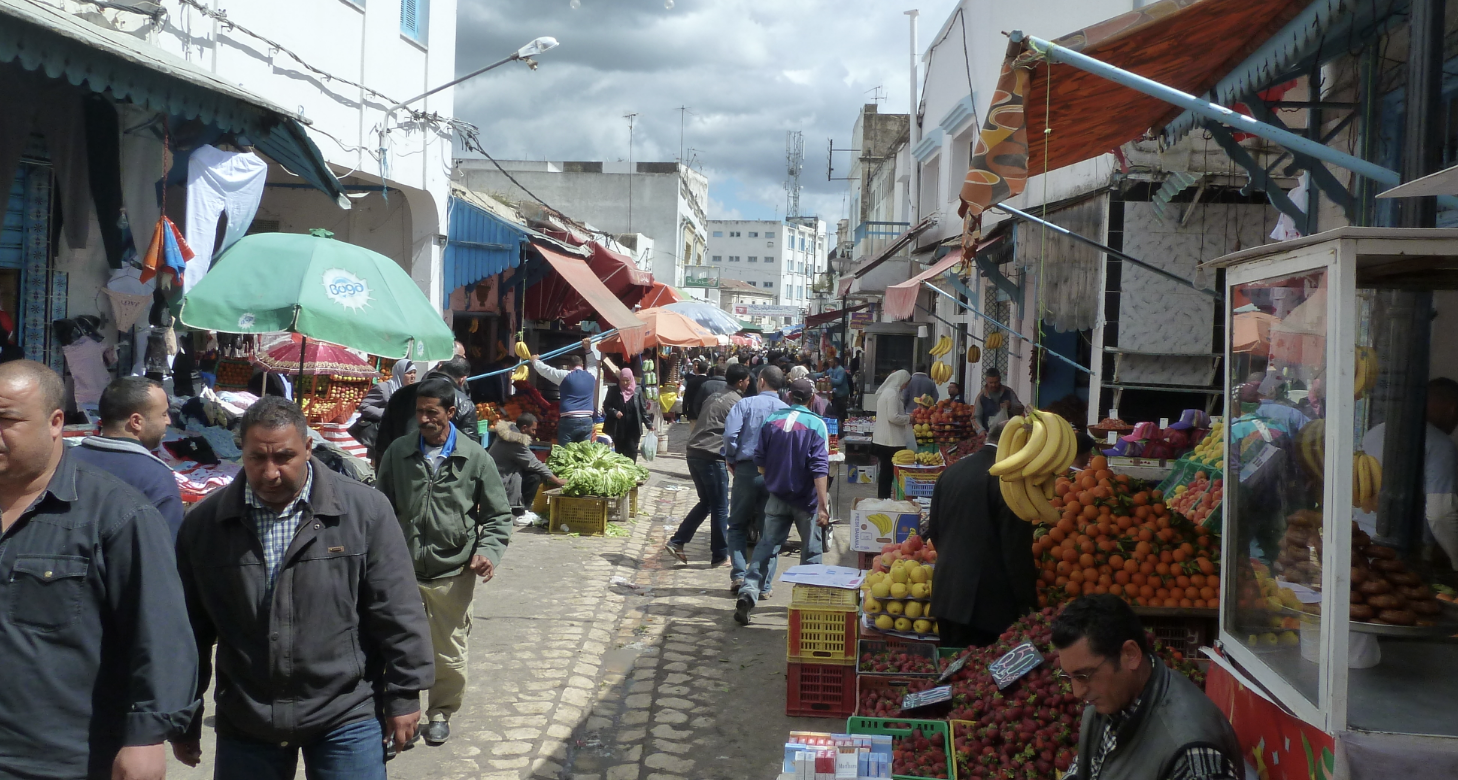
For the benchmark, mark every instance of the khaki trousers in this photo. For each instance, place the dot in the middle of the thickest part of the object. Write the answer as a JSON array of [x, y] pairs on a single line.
[[448, 608]]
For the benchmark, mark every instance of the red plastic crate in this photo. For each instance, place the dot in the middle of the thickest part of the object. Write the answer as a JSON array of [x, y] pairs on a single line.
[[820, 691], [821, 636], [866, 683]]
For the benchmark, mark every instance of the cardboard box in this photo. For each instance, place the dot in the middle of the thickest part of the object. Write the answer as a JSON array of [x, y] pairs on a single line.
[[868, 537], [862, 474]]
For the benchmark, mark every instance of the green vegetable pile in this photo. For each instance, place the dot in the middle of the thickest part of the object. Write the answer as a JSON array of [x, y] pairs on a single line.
[[592, 469]]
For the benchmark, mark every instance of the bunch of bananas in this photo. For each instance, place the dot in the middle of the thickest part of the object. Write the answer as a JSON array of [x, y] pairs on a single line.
[[994, 341], [1033, 450], [1311, 449], [974, 354], [941, 373], [522, 372], [904, 458], [1366, 481], [1367, 366], [942, 347], [929, 459]]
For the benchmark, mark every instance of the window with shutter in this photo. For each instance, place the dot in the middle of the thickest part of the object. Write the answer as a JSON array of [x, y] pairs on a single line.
[[413, 18]]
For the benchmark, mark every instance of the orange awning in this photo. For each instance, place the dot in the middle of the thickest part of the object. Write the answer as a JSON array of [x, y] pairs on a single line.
[[1185, 44], [659, 294], [664, 328], [577, 281], [900, 300]]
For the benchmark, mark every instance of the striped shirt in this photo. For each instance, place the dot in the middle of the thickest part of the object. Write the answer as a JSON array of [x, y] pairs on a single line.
[[276, 529]]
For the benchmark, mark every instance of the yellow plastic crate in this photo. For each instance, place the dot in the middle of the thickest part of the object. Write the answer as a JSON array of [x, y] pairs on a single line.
[[821, 636], [633, 503], [585, 515], [816, 597]]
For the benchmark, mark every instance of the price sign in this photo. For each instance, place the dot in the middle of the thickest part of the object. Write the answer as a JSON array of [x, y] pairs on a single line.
[[931, 696], [954, 667], [1019, 661]]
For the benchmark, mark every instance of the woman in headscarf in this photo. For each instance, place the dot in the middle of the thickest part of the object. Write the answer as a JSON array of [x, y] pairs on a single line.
[[372, 408], [625, 412], [892, 430]]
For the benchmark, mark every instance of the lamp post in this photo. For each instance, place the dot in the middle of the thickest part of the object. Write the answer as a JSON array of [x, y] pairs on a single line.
[[523, 54]]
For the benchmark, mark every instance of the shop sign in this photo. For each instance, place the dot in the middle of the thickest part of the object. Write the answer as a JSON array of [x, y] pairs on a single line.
[[862, 318], [757, 310]]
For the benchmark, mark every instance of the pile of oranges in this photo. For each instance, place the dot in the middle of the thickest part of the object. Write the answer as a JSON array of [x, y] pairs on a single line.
[[1117, 536]]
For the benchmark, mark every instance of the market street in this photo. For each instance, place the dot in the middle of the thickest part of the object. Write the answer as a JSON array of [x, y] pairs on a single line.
[[606, 659]]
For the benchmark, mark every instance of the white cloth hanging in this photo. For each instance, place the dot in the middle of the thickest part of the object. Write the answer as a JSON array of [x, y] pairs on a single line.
[[218, 182]]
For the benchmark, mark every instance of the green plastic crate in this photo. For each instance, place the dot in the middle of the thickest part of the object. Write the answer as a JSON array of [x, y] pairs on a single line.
[[859, 725]]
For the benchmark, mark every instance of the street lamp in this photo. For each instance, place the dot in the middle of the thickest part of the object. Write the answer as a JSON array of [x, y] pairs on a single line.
[[524, 54]]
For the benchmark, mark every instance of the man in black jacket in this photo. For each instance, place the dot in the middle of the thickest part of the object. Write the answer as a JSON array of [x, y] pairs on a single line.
[[521, 472], [302, 579], [691, 385], [399, 417], [985, 579], [99, 666]]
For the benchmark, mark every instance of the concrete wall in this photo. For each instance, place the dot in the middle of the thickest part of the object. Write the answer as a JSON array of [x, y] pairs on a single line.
[[793, 270]]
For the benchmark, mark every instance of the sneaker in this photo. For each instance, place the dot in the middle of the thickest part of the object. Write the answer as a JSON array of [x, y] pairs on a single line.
[[766, 593], [741, 610], [735, 585], [719, 564], [437, 733], [677, 550], [524, 519]]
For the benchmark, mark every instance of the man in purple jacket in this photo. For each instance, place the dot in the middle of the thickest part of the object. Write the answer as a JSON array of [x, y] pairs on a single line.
[[794, 456]]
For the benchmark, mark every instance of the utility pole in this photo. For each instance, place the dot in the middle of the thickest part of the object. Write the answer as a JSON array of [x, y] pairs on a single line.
[[913, 189], [682, 110], [630, 117]]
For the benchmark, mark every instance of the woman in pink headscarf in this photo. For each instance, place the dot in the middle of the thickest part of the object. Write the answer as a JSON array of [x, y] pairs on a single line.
[[625, 412]]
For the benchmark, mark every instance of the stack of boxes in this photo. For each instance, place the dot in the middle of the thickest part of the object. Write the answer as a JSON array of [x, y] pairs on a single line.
[[821, 652]]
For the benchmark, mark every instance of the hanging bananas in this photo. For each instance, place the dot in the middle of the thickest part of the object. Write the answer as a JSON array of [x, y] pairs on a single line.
[[1311, 448], [942, 347], [1033, 450], [1366, 481], [1367, 367], [994, 341], [941, 373], [974, 354]]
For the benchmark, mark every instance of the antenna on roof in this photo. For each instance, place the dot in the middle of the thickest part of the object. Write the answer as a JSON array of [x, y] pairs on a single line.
[[878, 94], [794, 164]]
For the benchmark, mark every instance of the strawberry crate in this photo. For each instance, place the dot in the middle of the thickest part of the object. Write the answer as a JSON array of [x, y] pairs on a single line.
[[817, 597], [919, 653], [946, 655], [901, 728], [877, 686], [820, 691], [822, 636]]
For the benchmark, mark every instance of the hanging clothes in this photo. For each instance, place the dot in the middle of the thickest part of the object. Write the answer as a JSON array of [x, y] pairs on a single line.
[[142, 148], [103, 157], [87, 361], [219, 182], [34, 103]]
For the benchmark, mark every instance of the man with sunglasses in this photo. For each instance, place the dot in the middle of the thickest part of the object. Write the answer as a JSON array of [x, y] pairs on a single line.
[[1141, 719]]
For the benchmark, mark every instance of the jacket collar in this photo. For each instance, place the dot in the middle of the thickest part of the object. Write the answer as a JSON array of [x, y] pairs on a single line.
[[447, 450], [63, 482], [1154, 689], [323, 496], [119, 444], [507, 431]]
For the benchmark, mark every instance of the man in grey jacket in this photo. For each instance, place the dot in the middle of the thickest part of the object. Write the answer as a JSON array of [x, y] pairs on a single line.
[[521, 472], [706, 467], [302, 579]]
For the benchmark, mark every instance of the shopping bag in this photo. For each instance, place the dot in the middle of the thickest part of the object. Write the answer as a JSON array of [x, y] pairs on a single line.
[[649, 445]]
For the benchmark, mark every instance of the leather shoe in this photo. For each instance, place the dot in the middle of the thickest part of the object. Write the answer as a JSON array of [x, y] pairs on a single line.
[[437, 732]]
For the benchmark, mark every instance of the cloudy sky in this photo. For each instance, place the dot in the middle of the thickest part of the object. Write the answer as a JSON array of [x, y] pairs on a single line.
[[748, 71]]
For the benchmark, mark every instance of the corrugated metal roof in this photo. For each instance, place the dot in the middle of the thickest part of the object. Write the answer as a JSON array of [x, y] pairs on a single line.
[[478, 244], [1323, 30]]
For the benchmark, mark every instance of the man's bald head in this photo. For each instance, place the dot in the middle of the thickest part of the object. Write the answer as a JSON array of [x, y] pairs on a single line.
[[49, 383]]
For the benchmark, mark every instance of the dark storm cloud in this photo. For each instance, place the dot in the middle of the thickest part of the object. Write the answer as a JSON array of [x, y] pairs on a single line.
[[749, 70]]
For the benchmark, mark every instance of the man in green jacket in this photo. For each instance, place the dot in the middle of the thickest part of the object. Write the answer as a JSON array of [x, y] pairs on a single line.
[[448, 497]]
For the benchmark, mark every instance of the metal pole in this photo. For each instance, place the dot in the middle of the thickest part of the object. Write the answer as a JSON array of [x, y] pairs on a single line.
[[467, 77], [912, 186], [1105, 249], [973, 309], [1211, 111]]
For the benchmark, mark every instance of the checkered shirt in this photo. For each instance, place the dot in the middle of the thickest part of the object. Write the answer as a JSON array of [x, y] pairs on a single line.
[[276, 529], [1194, 763]]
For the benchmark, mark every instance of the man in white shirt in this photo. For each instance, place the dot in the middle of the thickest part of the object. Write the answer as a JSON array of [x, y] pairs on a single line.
[[1440, 466]]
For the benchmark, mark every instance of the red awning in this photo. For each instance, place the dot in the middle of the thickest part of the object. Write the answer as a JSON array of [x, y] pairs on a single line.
[[659, 294], [831, 316], [619, 274], [575, 290]]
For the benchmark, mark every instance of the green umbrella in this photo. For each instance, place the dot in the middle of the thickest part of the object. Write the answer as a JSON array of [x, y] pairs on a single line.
[[324, 289]]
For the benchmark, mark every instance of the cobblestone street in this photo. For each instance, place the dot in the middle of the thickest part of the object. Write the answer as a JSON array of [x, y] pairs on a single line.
[[607, 659]]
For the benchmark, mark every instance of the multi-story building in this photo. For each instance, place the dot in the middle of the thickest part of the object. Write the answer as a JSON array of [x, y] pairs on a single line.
[[736, 297], [781, 257], [661, 200]]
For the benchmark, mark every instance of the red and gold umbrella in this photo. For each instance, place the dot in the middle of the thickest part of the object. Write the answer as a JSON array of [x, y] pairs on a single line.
[[318, 358]]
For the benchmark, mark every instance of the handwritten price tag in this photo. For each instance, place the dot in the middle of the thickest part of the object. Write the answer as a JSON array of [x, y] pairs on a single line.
[[954, 667], [1019, 661], [931, 696]]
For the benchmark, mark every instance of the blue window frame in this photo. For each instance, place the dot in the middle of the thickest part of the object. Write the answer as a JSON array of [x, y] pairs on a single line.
[[414, 19]]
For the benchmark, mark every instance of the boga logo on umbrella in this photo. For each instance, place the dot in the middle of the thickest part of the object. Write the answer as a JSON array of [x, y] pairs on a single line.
[[346, 289]]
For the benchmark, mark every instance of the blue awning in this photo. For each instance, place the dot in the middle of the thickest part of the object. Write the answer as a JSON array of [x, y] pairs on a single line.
[[45, 39], [478, 244]]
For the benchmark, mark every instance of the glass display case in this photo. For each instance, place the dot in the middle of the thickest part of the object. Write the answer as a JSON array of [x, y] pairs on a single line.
[[1341, 519]]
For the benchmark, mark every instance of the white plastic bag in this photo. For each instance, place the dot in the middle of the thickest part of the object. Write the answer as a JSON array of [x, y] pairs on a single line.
[[649, 445]]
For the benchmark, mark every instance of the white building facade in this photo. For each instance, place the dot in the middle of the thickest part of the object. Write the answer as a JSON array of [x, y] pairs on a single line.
[[781, 257]]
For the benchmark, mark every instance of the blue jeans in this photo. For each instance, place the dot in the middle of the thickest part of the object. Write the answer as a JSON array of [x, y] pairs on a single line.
[[778, 517], [570, 429], [352, 752], [711, 481], [746, 508]]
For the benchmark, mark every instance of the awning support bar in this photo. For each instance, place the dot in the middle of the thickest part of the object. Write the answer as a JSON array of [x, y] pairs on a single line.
[[1003, 207], [1211, 111], [953, 278]]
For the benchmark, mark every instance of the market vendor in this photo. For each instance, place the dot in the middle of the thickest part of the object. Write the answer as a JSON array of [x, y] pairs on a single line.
[[578, 384], [521, 472], [995, 397], [1440, 467], [1141, 719], [921, 384]]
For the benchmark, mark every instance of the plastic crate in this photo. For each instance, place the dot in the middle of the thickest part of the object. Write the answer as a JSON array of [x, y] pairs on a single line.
[[817, 597], [917, 481], [902, 727], [923, 649], [900, 685], [864, 560], [633, 502], [1185, 634], [540, 504], [584, 515], [946, 655], [820, 691], [871, 633], [821, 636]]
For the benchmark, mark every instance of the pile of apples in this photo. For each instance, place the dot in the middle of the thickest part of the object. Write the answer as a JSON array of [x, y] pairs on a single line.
[[1199, 499]]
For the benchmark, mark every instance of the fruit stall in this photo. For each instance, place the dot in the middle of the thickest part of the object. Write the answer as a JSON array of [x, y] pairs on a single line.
[[1333, 640]]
